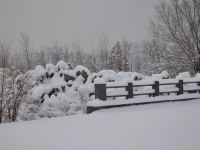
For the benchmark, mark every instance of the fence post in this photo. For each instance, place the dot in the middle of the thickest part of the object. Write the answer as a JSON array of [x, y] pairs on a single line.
[[156, 87], [129, 88], [198, 84], [100, 91], [180, 86]]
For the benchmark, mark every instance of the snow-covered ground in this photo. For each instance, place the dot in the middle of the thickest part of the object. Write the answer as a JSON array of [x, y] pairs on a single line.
[[167, 126]]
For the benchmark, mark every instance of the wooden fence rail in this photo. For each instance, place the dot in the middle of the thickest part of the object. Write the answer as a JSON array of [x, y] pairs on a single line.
[[100, 89]]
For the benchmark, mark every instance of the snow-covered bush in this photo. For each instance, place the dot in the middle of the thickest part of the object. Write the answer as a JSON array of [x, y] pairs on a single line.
[[61, 65], [53, 91], [183, 75], [162, 75], [59, 90], [112, 76]]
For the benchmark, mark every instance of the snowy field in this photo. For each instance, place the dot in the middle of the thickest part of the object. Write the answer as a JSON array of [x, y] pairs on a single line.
[[167, 126]]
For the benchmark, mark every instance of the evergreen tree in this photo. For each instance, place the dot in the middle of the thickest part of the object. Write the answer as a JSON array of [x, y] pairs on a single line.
[[116, 58]]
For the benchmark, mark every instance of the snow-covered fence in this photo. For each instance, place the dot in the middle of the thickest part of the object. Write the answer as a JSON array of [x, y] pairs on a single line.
[[130, 89], [172, 90]]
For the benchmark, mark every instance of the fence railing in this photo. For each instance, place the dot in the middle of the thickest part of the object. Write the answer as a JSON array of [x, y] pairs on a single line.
[[155, 90]]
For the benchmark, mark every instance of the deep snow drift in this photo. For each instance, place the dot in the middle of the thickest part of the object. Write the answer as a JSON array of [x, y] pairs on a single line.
[[168, 126]]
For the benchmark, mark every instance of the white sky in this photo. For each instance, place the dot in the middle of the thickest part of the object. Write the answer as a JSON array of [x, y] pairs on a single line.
[[47, 21]]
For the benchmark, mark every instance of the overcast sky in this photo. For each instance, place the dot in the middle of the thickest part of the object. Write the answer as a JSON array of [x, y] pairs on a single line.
[[47, 21]]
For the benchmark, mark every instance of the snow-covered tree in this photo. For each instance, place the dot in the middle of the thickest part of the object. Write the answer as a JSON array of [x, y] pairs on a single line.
[[155, 56], [10, 94], [27, 50], [90, 62], [126, 50], [116, 60], [77, 54], [103, 50], [177, 22]]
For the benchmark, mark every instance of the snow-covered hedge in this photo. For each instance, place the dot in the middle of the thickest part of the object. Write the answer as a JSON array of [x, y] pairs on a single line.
[[59, 90]]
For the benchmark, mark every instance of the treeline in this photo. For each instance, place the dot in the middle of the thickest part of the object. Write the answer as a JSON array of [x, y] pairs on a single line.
[[121, 56]]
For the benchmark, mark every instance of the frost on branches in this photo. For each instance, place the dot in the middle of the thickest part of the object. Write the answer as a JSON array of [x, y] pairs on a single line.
[[10, 95]]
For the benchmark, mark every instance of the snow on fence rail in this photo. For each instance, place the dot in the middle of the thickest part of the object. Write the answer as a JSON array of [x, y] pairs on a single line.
[[172, 90], [157, 88]]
